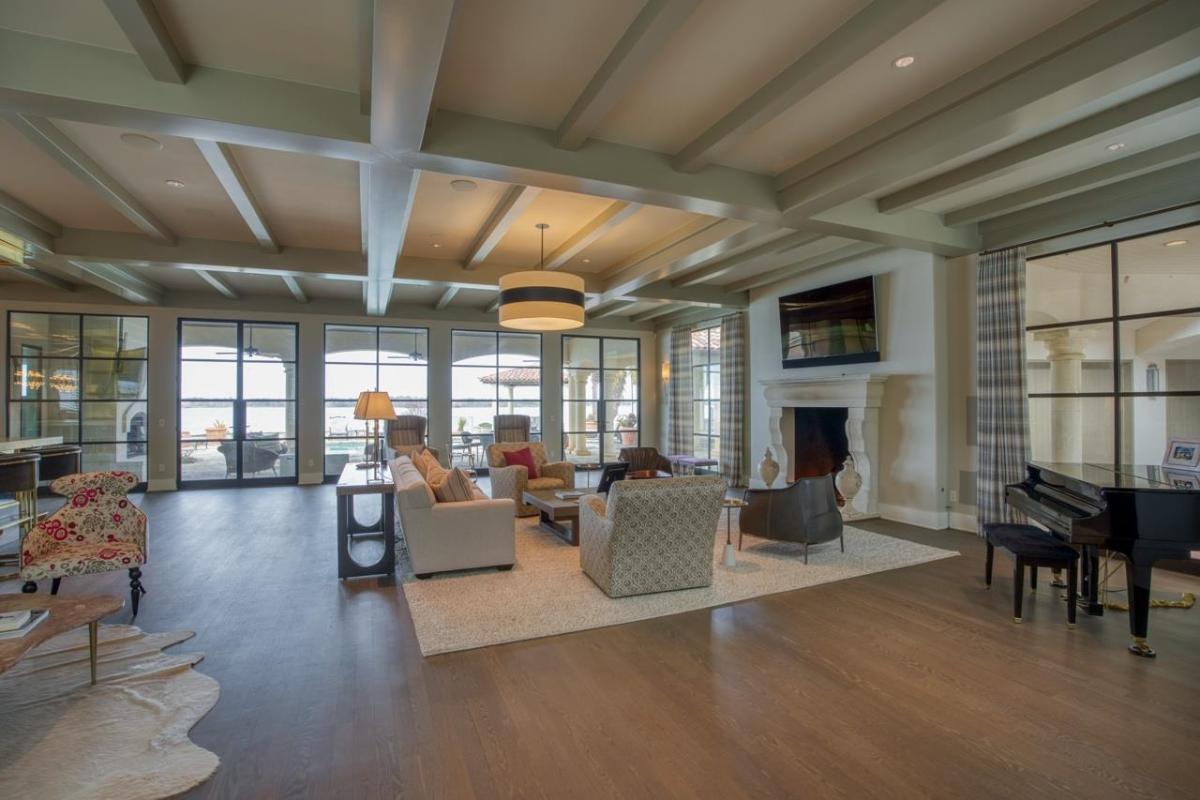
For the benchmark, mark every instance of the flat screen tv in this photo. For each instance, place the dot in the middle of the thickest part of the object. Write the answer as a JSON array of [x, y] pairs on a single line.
[[831, 325]]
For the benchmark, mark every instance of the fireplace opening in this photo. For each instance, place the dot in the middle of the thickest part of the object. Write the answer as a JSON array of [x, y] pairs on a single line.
[[819, 442]]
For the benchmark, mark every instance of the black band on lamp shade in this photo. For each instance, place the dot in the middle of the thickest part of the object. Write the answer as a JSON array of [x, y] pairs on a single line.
[[541, 294]]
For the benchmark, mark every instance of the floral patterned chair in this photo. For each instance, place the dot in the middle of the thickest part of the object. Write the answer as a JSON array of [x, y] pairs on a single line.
[[97, 530], [651, 535]]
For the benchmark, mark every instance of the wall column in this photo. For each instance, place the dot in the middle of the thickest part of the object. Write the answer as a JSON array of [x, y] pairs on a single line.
[[1064, 351]]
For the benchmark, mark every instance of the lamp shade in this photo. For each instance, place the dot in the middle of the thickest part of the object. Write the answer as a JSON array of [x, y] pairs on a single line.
[[539, 300], [374, 405]]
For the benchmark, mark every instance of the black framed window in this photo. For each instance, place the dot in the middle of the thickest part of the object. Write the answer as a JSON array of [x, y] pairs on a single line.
[[1113, 349], [706, 392], [370, 358], [83, 377], [491, 372], [601, 400]]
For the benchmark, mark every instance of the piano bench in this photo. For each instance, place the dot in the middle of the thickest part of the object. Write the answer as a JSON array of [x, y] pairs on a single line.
[[1032, 547]]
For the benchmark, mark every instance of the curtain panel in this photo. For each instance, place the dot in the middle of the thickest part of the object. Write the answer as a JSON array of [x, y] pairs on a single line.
[[733, 396], [1000, 346], [679, 391]]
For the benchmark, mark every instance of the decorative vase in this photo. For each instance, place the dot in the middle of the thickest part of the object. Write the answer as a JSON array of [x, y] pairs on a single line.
[[768, 469], [849, 482]]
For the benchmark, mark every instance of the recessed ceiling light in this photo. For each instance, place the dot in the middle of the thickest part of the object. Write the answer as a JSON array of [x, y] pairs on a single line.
[[174, 184], [587, 261], [1115, 146], [463, 185], [140, 141], [437, 244], [904, 61], [1175, 243]]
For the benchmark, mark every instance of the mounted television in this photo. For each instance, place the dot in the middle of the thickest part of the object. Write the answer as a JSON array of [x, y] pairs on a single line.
[[831, 325]]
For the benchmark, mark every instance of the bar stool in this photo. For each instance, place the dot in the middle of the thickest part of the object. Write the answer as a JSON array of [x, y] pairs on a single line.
[[19, 477], [57, 460]]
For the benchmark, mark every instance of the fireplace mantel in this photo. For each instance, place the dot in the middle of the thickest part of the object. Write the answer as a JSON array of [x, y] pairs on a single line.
[[861, 396]]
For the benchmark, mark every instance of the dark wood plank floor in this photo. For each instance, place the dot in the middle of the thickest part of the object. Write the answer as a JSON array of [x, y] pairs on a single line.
[[910, 683]]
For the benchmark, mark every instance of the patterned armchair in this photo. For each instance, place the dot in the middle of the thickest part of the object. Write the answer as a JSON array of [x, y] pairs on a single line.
[[641, 458], [511, 427], [512, 482], [97, 530], [406, 436], [651, 535]]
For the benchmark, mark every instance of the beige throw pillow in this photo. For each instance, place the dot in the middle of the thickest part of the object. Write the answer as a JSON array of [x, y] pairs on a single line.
[[423, 461], [455, 487]]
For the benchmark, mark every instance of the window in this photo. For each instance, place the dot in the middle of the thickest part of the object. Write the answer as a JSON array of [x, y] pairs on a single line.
[[362, 358], [491, 373], [1112, 360], [81, 377], [601, 413], [706, 392]]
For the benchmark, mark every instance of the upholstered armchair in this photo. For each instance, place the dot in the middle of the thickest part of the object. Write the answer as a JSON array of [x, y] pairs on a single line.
[[512, 482], [651, 535], [511, 427], [641, 458], [406, 436], [98, 529], [804, 512]]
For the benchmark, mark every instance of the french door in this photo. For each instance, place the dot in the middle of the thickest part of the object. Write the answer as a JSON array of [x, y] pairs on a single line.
[[237, 402]]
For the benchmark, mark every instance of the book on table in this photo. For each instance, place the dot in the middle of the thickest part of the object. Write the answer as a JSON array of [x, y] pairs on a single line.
[[15, 624], [568, 494]]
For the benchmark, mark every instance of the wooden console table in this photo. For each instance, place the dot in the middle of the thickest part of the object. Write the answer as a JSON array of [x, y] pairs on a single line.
[[66, 613], [353, 483]]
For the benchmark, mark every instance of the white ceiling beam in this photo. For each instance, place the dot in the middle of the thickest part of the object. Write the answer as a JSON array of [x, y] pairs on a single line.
[[43, 134], [366, 35], [364, 200], [713, 241], [1093, 130], [1153, 191], [745, 258], [659, 311], [120, 281], [846, 253], [1177, 152], [609, 308], [59, 146], [642, 41], [31, 216], [1076, 28], [853, 40], [217, 283], [640, 256], [446, 298], [144, 29], [1148, 50], [32, 234], [511, 206], [293, 286], [493, 306], [220, 159], [913, 229], [477, 147], [63, 80], [406, 52], [391, 190], [601, 224], [687, 316], [39, 276]]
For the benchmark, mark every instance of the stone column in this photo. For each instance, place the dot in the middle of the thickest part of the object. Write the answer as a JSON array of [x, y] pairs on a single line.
[[1064, 351], [577, 381]]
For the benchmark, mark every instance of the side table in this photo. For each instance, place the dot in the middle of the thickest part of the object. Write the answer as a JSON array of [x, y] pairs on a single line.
[[354, 483], [729, 504]]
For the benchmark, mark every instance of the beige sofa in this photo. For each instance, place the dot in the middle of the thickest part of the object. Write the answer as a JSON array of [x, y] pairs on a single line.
[[511, 482], [443, 537]]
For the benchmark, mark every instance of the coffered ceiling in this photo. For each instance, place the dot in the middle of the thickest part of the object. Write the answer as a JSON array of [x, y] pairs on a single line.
[[399, 153]]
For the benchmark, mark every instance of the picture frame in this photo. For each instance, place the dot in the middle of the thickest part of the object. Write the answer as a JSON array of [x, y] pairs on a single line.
[[1183, 479], [1182, 454]]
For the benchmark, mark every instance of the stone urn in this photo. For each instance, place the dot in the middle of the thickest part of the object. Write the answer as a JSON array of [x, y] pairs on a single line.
[[768, 468], [849, 482]]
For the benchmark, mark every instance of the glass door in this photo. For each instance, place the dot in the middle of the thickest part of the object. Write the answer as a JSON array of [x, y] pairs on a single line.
[[237, 402]]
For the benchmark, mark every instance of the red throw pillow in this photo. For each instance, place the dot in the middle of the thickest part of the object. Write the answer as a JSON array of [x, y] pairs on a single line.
[[522, 457]]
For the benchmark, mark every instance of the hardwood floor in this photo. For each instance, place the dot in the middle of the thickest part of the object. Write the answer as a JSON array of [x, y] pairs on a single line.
[[907, 683]]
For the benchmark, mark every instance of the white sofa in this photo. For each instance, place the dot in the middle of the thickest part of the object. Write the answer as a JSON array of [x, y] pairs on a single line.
[[443, 537]]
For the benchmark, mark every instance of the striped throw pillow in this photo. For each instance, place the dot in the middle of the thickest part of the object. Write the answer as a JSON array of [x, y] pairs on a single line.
[[455, 487]]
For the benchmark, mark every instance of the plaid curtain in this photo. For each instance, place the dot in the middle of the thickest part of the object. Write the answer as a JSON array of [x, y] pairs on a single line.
[[1000, 343], [733, 392], [679, 391]]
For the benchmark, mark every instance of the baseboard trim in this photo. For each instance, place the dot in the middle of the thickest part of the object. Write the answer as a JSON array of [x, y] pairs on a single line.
[[961, 521], [161, 485], [934, 520]]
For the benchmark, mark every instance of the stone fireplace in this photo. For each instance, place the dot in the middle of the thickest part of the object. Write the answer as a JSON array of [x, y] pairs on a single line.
[[802, 418]]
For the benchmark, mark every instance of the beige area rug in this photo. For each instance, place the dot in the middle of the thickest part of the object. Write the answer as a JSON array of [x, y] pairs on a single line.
[[125, 737], [546, 593]]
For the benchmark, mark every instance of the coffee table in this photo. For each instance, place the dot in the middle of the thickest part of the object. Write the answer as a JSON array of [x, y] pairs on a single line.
[[560, 517], [66, 613]]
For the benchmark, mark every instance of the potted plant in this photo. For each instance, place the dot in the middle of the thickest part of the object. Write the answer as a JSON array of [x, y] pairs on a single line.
[[627, 426], [216, 432], [462, 424]]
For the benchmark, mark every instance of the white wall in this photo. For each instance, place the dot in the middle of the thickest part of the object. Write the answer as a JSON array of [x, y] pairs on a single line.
[[912, 293], [163, 356]]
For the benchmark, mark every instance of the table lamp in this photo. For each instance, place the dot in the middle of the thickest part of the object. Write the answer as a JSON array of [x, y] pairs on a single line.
[[375, 406]]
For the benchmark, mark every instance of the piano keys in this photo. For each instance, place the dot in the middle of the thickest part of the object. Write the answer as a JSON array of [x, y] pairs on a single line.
[[1136, 511]]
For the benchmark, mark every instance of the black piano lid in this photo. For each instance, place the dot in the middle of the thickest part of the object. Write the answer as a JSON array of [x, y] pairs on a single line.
[[1125, 476]]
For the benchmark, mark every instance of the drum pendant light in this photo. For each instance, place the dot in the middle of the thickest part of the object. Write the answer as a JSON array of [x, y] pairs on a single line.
[[537, 300]]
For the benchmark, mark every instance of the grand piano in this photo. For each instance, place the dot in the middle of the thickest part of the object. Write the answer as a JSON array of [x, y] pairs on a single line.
[[1144, 513]]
